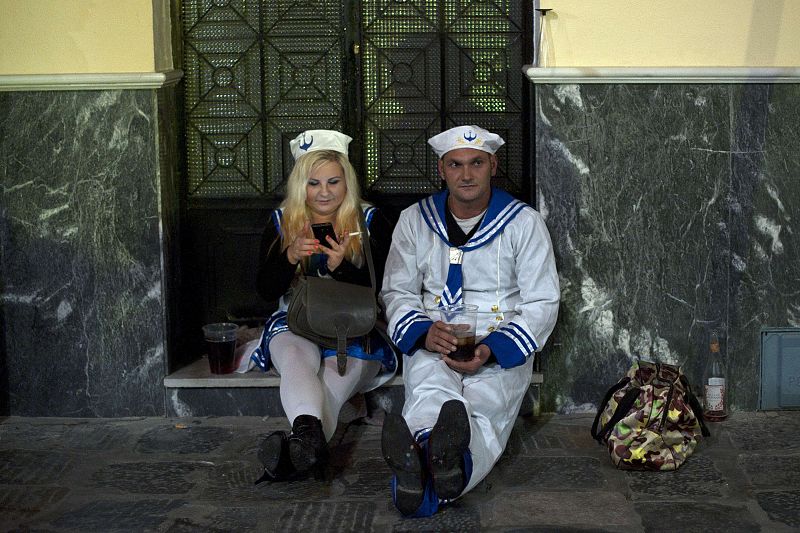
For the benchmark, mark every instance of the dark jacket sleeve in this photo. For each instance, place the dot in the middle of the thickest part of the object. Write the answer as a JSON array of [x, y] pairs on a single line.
[[380, 237], [275, 272]]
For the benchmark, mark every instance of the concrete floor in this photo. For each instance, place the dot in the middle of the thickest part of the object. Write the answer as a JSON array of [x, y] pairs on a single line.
[[196, 474]]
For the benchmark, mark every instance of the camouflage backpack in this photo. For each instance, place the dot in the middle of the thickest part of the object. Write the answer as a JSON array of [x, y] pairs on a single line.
[[650, 420]]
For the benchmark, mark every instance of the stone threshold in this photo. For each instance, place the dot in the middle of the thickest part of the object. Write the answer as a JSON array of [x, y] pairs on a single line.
[[197, 375]]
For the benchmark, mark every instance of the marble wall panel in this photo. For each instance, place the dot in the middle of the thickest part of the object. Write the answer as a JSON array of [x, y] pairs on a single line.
[[82, 296], [652, 194], [765, 243]]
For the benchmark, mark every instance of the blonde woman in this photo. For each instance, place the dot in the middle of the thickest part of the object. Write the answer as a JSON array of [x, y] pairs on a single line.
[[322, 187]]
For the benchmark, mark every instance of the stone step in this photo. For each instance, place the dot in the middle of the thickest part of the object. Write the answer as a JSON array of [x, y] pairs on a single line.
[[198, 375], [195, 391]]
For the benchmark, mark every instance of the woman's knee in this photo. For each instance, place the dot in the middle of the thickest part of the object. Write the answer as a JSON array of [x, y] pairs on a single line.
[[288, 356]]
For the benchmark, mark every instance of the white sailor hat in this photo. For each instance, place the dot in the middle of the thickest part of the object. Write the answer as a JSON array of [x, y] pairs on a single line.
[[314, 140], [465, 137]]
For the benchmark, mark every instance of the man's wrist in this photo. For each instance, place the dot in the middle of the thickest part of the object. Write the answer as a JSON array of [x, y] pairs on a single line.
[[491, 358]]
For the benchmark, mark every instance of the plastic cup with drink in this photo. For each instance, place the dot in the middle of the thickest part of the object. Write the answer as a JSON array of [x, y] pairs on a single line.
[[221, 346], [462, 318]]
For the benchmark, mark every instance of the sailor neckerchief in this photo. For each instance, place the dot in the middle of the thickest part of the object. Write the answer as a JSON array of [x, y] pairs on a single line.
[[455, 233], [502, 209]]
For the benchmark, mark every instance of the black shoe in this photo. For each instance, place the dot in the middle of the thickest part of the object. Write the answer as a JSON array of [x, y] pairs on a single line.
[[308, 448], [273, 452], [404, 457], [447, 443]]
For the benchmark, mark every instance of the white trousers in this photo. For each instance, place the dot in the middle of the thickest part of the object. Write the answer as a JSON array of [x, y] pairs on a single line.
[[492, 397], [311, 385]]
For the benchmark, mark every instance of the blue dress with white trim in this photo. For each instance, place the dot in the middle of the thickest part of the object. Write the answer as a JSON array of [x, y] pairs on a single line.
[[276, 276]]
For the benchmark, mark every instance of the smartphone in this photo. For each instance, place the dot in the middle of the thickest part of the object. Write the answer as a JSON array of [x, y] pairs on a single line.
[[323, 230]]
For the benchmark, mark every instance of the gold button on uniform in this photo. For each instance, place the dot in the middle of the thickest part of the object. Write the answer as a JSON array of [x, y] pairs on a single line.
[[437, 299], [495, 308], [490, 328]]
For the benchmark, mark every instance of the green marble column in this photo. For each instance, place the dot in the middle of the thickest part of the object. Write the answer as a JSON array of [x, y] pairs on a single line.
[[85, 208], [671, 210]]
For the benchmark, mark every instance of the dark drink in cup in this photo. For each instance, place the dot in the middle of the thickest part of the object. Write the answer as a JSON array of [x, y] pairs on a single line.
[[221, 357], [221, 347], [465, 349], [462, 320]]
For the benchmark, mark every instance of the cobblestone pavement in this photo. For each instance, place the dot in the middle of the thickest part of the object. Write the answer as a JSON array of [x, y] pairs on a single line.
[[196, 475]]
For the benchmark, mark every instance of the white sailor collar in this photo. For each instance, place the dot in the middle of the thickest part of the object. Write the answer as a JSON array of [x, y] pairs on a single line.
[[277, 216], [502, 209]]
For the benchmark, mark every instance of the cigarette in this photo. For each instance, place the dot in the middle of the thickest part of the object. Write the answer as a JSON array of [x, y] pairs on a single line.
[[354, 233]]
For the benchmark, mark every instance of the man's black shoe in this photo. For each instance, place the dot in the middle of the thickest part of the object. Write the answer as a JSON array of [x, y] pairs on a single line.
[[447, 443], [403, 456]]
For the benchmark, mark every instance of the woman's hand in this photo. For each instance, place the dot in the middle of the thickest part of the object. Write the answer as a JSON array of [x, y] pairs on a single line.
[[336, 252], [301, 246]]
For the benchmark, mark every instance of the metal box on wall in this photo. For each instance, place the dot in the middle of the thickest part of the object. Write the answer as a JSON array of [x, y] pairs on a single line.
[[780, 368]]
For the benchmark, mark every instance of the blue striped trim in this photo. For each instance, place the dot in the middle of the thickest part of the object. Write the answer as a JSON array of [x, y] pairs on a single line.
[[369, 212], [277, 216], [430, 215], [502, 209], [505, 349], [273, 321], [495, 226], [260, 360], [423, 434], [521, 335], [418, 329], [404, 323], [275, 324], [409, 329], [450, 299]]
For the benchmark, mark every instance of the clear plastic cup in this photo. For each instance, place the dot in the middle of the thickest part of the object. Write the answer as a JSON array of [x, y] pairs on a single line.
[[221, 346], [463, 319]]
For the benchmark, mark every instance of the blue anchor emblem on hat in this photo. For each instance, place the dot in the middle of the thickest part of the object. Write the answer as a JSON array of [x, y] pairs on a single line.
[[306, 144], [470, 136]]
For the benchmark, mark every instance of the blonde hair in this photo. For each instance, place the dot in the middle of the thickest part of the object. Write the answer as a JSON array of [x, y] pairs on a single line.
[[296, 212]]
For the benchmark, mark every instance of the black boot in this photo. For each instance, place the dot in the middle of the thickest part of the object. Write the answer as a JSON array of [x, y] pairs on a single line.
[[404, 457], [308, 448], [447, 443], [273, 452]]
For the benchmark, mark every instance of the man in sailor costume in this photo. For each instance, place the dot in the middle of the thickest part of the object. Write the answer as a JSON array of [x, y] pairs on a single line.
[[470, 244]]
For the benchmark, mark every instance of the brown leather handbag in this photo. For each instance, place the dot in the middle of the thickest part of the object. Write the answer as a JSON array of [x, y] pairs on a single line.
[[330, 312]]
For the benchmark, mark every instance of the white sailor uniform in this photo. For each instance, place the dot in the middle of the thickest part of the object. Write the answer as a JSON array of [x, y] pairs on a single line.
[[508, 270]]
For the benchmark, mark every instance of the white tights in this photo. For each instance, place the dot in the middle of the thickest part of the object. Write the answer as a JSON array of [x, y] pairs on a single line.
[[311, 385]]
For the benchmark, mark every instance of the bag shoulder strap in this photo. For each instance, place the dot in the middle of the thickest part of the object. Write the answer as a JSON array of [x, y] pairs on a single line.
[[366, 247], [622, 410], [624, 381], [696, 407]]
